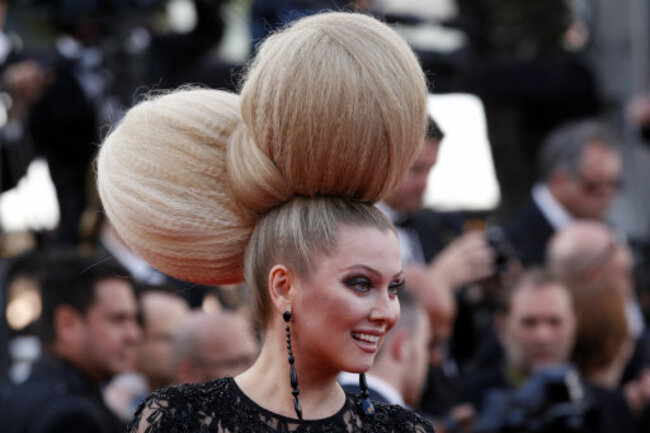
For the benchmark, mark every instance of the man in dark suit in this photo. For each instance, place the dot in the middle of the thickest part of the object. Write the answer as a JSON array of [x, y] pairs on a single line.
[[431, 238], [436, 243], [89, 332], [580, 174]]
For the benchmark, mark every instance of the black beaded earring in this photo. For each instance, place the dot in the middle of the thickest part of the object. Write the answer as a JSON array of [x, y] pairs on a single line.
[[293, 376], [366, 405]]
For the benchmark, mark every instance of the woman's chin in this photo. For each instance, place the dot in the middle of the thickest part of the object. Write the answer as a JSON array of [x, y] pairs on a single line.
[[359, 366]]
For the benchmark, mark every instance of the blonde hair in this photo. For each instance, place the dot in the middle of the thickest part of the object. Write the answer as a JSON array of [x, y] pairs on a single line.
[[332, 106], [162, 178]]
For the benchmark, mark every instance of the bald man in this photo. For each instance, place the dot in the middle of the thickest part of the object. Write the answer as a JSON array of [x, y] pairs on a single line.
[[213, 345], [586, 252]]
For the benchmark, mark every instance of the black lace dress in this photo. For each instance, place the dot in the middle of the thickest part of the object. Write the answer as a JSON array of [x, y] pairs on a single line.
[[221, 407]]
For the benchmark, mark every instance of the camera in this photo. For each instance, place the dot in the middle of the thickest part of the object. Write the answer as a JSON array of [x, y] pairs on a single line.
[[552, 400], [504, 252]]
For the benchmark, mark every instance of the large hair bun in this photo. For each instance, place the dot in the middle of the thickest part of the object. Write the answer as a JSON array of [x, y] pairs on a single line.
[[163, 182], [333, 105]]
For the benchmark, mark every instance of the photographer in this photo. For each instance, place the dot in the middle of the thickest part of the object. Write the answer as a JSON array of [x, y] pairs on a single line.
[[538, 330]]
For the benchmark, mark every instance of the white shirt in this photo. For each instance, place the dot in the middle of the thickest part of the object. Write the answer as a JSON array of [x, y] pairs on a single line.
[[552, 210], [409, 241], [384, 388], [140, 269]]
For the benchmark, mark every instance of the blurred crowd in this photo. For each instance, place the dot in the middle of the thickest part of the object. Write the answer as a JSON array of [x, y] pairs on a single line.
[[533, 316]]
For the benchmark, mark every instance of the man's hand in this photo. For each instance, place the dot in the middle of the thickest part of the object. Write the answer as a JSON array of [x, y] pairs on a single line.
[[466, 260]]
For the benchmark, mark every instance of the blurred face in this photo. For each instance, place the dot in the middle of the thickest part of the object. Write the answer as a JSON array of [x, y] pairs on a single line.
[[407, 197], [589, 194], [540, 328], [621, 271], [343, 309], [111, 332], [163, 316], [227, 351], [418, 362]]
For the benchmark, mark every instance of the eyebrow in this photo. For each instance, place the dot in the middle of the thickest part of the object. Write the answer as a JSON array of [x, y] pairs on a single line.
[[399, 274]]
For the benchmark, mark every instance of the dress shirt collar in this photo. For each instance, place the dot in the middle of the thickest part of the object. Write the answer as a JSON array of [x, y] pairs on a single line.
[[552, 210], [379, 385]]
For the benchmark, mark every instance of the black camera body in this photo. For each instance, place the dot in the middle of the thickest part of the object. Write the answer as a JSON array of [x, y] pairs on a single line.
[[504, 252], [552, 400]]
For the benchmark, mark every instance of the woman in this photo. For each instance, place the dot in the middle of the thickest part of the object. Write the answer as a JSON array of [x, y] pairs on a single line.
[[277, 184]]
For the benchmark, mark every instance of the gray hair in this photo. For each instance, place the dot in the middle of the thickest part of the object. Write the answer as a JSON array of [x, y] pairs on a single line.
[[564, 147]]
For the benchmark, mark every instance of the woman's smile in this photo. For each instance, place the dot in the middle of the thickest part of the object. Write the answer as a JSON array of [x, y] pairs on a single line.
[[368, 341], [348, 302]]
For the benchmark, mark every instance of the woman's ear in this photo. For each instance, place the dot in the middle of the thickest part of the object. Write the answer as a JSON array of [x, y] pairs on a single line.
[[281, 280]]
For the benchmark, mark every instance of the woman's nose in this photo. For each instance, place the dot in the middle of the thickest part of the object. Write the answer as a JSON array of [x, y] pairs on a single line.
[[385, 309]]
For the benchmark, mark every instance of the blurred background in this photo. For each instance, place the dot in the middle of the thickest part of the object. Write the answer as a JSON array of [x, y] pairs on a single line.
[[502, 75]]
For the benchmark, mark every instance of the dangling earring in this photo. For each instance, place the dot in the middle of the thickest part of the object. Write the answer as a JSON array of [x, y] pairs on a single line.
[[366, 405], [294, 376]]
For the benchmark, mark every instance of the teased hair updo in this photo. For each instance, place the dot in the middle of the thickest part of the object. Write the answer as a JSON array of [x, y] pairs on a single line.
[[332, 106]]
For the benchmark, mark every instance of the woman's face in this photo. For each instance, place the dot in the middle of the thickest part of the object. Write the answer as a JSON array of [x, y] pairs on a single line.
[[343, 309]]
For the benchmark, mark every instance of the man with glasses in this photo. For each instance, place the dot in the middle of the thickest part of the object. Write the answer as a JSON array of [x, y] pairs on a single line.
[[580, 175]]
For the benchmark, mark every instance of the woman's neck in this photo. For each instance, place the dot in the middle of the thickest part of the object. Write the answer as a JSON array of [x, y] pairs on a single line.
[[267, 382]]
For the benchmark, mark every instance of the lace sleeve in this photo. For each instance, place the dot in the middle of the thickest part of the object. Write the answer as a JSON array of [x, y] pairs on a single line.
[[169, 410], [153, 415], [393, 418]]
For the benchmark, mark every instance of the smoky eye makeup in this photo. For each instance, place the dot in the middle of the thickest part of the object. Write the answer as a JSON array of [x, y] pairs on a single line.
[[359, 283], [396, 286]]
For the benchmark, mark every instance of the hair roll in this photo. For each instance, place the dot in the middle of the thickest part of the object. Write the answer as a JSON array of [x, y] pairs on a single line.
[[163, 182], [337, 103]]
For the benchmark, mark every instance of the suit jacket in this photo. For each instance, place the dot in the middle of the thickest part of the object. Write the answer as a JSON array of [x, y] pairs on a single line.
[[56, 398], [529, 232], [434, 229]]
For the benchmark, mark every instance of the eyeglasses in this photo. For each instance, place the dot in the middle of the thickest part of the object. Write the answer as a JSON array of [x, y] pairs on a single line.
[[599, 187]]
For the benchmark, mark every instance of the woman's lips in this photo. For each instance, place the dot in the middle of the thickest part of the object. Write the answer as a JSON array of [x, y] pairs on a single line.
[[368, 341]]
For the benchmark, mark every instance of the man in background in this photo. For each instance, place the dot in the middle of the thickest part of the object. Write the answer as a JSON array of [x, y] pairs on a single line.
[[580, 175], [90, 333], [213, 345], [437, 243], [537, 331], [431, 238], [163, 313]]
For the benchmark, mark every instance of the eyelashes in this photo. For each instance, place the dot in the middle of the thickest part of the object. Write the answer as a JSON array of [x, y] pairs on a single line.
[[396, 287], [364, 284], [360, 284]]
